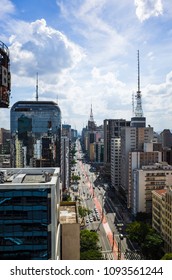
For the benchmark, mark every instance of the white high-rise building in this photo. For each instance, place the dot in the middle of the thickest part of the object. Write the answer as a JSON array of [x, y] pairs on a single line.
[[132, 139]]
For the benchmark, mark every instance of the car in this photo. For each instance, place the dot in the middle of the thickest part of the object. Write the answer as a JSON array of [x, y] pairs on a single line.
[[91, 220], [87, 221], [94, 218], [98, 218]]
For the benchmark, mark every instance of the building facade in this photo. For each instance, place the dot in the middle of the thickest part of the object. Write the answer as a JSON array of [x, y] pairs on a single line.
[[132, 139], [162, 215], [112, 129], [37, 124], [145, 180], [29, 218]]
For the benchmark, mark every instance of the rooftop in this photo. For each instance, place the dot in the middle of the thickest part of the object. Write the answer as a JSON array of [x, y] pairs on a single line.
[[68, 213], [28, 175], [161, 192]]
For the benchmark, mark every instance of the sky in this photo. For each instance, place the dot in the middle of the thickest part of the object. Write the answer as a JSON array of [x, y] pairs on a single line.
[[85, 53]]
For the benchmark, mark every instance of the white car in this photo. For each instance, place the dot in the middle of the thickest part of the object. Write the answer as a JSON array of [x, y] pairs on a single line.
[[91, 220], [87, 221]]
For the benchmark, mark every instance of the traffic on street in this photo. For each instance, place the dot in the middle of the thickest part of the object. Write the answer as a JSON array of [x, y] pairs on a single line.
[[107, 215]]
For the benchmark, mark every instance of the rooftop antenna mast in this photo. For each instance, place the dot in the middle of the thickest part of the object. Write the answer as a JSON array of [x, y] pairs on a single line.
[[37, 86], [138, 109], [138, 59]]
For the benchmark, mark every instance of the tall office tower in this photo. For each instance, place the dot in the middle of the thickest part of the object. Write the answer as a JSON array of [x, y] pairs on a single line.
[[29, 214], [112, 129], [66, 130], [5, 137], [99, 151], [74, 135], [138, 120], [65, 162], [5, 76], [166, 138], [37, 125], [132, 139], [91, 122], [116, 162], [91, 136]]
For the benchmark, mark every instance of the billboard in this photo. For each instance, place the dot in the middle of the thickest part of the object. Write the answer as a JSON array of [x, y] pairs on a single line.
[[5, 76]]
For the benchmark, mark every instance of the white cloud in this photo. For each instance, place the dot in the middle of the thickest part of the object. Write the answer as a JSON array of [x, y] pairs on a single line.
[[97, 64], [6, 8], [35, 47], [148, 8]]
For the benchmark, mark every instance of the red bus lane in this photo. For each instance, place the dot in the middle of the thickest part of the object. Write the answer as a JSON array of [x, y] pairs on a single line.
[[105, 224]]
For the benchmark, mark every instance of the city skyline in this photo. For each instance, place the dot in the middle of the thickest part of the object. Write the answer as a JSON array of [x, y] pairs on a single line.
[[85, 52]]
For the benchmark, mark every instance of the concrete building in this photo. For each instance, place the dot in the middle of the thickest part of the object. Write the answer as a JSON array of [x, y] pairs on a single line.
[[166, 138], [162, 215], [132, 139], [112, 129], [70, 231], [145, 180], [137, 160], [29, 214]]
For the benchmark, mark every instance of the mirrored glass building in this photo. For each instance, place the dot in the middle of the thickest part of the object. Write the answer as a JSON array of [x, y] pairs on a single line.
[[36, 134]]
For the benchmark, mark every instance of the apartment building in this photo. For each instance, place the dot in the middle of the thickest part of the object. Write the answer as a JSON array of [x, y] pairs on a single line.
[[162, 215], [145, 180]]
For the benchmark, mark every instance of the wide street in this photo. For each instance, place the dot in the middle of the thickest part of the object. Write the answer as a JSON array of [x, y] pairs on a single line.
[[108, 216]]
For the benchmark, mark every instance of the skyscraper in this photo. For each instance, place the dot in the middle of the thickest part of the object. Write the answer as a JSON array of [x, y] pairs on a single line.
[[29, 213], [37, 125]]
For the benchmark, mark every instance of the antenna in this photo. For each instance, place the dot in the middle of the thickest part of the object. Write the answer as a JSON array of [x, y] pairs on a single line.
[[138, 109], [37, 86], [138, 72]]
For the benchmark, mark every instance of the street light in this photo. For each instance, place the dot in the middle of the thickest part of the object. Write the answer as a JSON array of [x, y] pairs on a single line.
[[119, 226], [119, 245]]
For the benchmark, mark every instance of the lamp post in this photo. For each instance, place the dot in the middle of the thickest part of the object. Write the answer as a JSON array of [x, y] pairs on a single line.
[[119, 246], [120, 239]]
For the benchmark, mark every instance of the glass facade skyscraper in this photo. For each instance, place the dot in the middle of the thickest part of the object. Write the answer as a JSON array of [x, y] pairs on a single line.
[[36, 134], [29, 226]]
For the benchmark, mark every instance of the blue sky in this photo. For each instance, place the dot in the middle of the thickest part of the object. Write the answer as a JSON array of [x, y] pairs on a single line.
[[85, 52]]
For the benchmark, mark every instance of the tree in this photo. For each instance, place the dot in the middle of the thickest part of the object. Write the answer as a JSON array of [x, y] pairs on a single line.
[[167, 256], [137, 231], [83, 212], [152, 246], [143, 217], [149, 241], [89, 248], [75, 178], [91, 255]]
